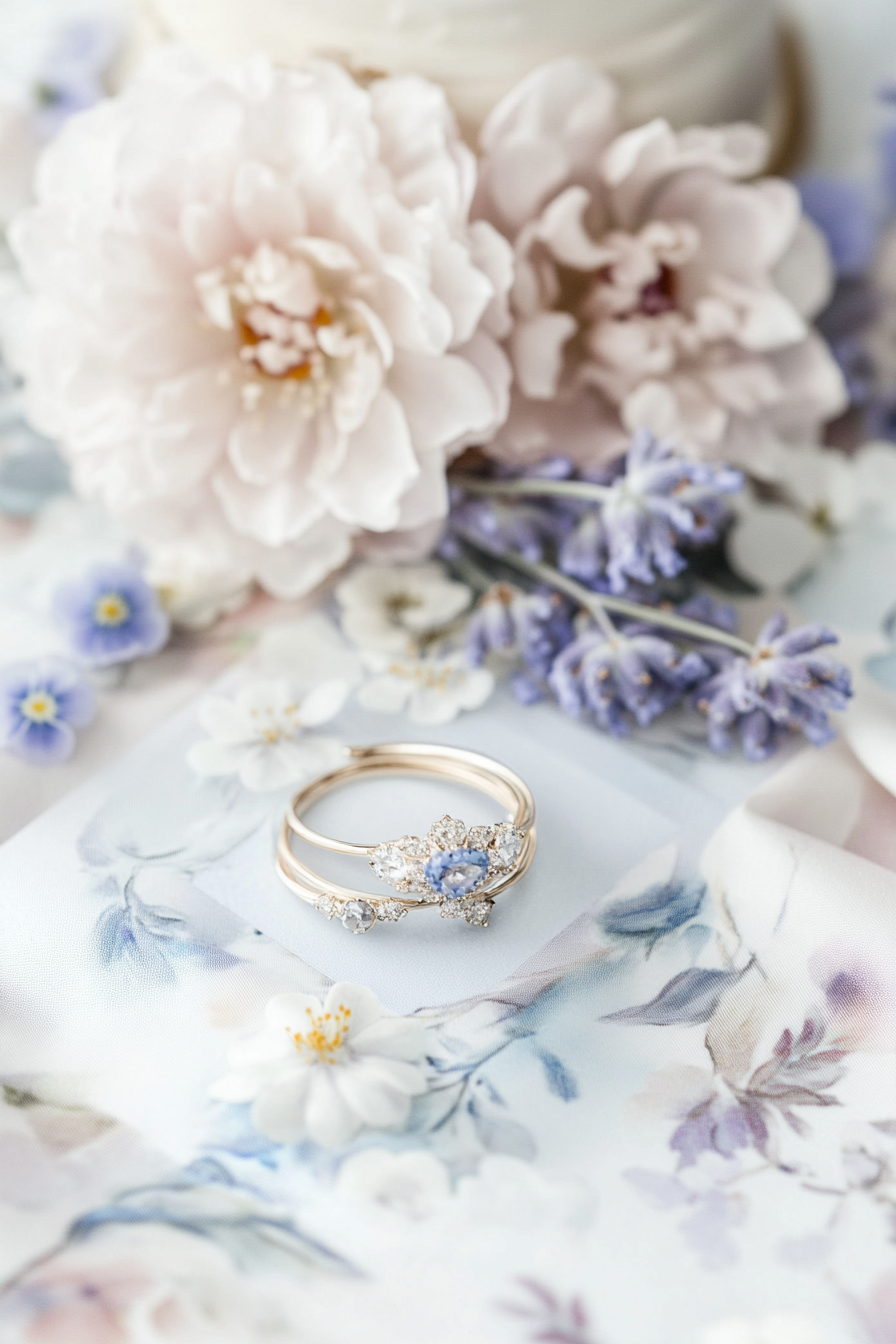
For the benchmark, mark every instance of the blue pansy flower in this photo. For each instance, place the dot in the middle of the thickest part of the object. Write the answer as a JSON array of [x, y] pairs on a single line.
[[41, 705], [112, 615]]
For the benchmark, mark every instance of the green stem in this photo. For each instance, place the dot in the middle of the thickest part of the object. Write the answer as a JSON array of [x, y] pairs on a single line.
[[532, 486], [598, 604]]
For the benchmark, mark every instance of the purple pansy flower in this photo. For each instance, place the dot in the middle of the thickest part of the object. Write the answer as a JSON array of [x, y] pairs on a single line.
[[787, 686], [112, 615], [41, 704], [637, 675], [659, 502]]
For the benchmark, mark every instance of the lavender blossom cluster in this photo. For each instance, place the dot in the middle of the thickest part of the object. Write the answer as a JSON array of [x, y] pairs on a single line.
[[625, 538], [643, 511]]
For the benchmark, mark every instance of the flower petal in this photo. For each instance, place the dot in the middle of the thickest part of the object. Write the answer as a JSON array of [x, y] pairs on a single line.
[[392, 1037], [321, 704], [378, 467], [330, 1120], [291, 1011], [378, 1105], [358, 1000]]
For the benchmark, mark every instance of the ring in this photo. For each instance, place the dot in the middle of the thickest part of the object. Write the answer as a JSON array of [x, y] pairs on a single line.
[[461, 869]]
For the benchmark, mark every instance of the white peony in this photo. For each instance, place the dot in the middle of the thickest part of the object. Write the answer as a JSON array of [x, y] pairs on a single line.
[[260, 735], [393, 608], [263, 321], [325, 1071], [654, 287]]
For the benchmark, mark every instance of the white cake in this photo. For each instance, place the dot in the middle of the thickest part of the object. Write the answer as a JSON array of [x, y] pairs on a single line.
[[689, 60]]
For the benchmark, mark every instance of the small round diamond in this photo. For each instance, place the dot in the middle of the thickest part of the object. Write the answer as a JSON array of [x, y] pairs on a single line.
[[357, 916], [480, 837], [456, 872]]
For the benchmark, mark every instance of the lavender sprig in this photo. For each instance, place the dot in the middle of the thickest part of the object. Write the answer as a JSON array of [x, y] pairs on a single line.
[[656, 504], [765, 692]]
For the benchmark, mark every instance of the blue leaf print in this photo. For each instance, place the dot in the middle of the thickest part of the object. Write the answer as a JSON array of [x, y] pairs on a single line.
[[687, 999], [205, 1200], [149, 939], [560, 1081], [657, 910]]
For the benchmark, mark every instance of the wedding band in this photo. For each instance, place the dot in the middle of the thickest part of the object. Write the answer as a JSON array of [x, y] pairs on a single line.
[[461, 869]]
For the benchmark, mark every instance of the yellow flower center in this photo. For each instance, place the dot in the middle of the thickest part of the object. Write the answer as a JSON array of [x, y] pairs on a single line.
[[324, 1036], [429, 678], [39, 707], [276, 725], [111, 609]]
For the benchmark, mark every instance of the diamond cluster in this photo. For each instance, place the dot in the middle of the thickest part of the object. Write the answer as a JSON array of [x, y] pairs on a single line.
[[449, 864]]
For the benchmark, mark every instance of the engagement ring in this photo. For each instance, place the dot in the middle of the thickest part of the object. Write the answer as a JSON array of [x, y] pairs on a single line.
[[460, 869]]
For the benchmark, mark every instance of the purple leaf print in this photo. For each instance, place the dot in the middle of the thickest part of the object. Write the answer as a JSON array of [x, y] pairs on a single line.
[[553, 1321]]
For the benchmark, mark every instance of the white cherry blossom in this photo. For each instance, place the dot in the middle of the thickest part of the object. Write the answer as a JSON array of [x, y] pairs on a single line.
[[260, 735], [431, 690], [655, 286], [389, 608], [263, 322], [325, 1071]]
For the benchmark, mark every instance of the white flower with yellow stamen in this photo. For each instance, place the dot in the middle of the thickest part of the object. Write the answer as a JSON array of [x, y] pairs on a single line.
[[325, 1071], [261, 735], [394, 608], [430, 690]]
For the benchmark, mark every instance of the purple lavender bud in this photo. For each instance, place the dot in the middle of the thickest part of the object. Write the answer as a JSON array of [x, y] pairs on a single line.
[[786, 687], [636, 676], [659, 502]]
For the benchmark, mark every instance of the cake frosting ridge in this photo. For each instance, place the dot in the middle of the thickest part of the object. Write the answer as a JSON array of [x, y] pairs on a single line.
[[689, 60]]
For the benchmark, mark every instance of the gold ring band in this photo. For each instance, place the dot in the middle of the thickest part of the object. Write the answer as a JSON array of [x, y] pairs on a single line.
[[461, 869]]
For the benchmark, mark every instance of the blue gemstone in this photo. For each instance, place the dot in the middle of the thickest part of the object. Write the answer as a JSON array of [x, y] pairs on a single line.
[[456, 872]]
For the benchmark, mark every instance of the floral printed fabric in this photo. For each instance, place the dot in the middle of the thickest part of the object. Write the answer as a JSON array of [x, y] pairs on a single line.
[[691, 1088]]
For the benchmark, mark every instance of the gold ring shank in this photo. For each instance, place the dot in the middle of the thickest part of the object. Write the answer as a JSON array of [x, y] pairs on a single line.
[[402, 758]]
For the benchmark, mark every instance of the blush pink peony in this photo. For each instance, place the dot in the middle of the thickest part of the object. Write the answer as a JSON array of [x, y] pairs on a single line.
[[654, 287], [263, 321]]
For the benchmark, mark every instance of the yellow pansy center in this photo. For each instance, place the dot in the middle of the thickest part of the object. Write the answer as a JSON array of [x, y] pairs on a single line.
[[323, 1035], [111, 609], [39, 707]]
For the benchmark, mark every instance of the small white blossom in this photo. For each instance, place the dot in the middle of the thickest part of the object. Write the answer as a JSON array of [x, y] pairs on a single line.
[[260, 734], [772, 544], [325, 1071], [431, 690], [389, 607], [413, 1184]]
